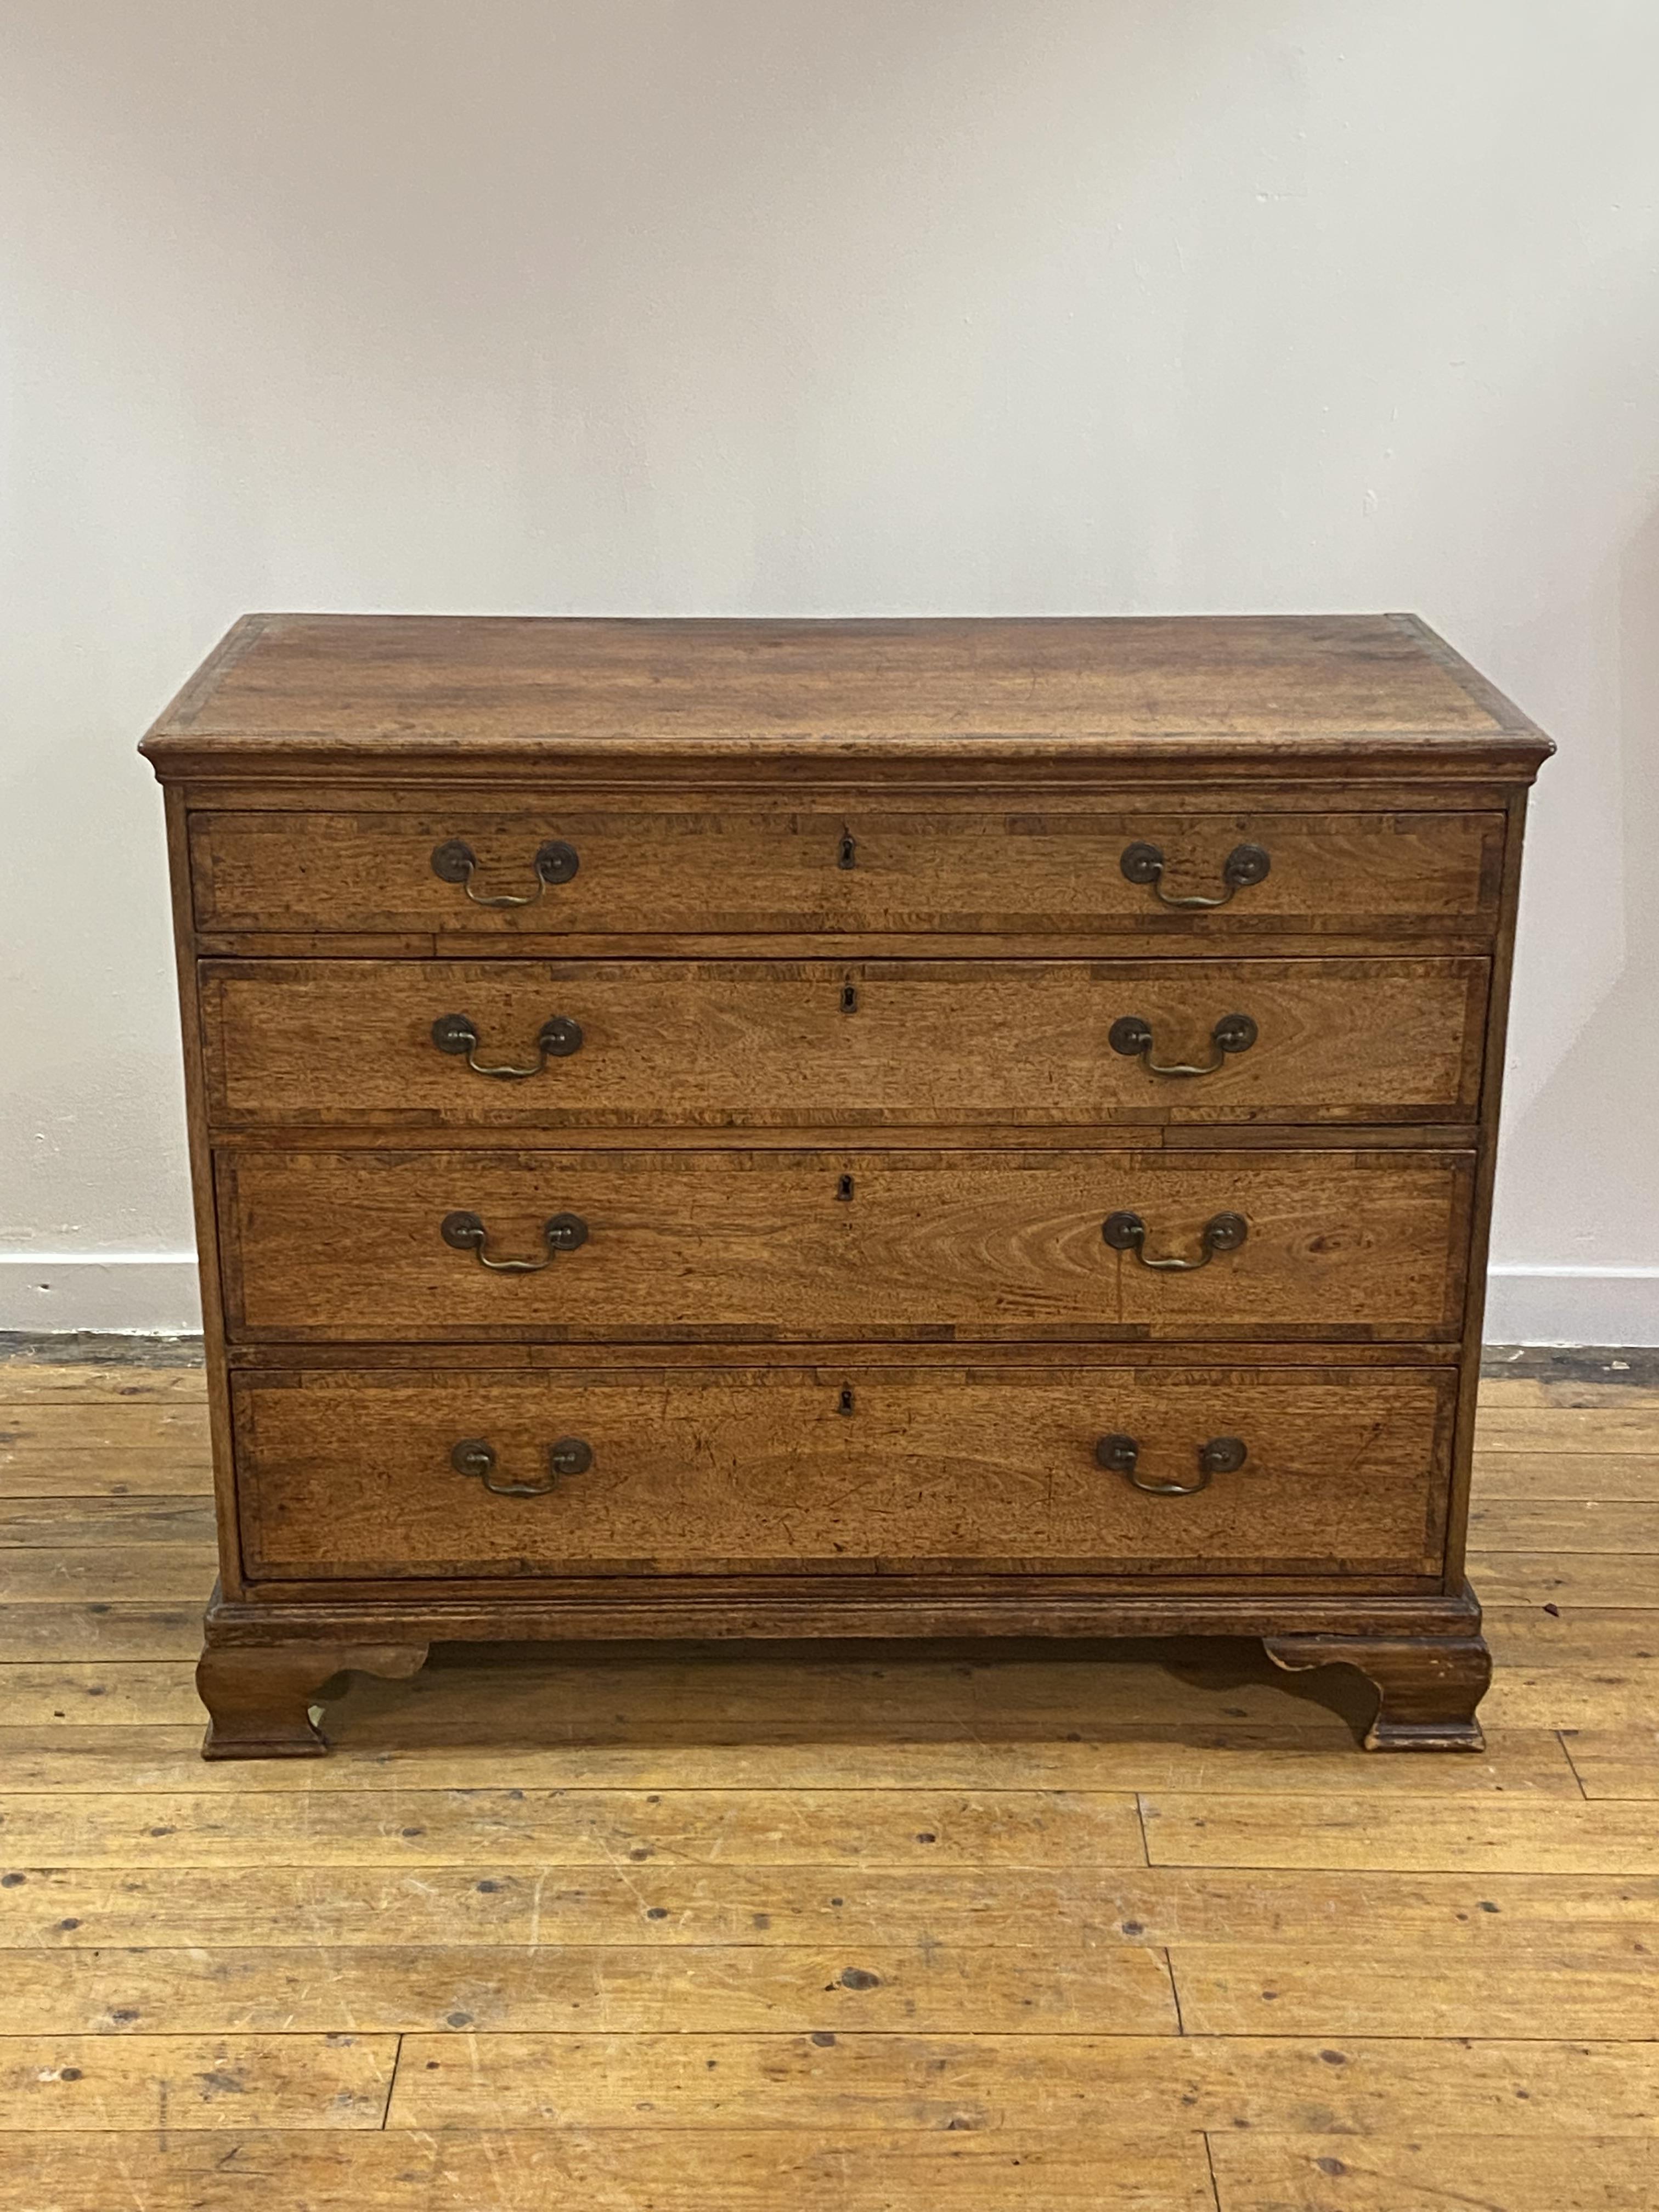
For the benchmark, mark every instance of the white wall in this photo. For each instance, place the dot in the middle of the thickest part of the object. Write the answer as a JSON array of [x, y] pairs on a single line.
[[819, 306]]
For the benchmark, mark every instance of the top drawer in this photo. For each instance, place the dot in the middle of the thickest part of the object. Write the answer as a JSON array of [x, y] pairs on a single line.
[[553, 872]]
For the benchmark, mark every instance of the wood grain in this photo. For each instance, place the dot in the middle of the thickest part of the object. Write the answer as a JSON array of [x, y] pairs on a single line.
[[1583, 1667], [173, 1426], [1599, 1479], [697, 872], [1561, 1578], [86, 1693], [1230, 674], [1593, 1525], [758, 1045], [897, 2168], [576, 1827], [1427, 1688], [352, 1474], [1114, 1988], [110, 1376], [66, 1737], [51, 2081], [716, 1245], [51, 1628], [1531, 1991], [1620, 1761], [1477, 1834], [1601, 1429], [1584, 2172], [1160, 2084], [60, 1474], [77, 1522], [102, 1576], [187, 976], [1492, 1922]]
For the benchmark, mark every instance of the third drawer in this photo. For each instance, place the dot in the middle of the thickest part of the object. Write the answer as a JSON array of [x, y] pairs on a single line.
[[707, 1245]]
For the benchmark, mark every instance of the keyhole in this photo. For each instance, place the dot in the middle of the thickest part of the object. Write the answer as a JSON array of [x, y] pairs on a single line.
[[847, 857], [844, 1404], [844, 1186], [849, 998]]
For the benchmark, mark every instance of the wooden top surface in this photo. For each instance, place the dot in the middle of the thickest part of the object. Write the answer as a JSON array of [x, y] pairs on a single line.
[[321, 692]]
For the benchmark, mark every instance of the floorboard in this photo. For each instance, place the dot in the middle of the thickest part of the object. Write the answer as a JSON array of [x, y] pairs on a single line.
[[640, 2168], [1482, 2171]]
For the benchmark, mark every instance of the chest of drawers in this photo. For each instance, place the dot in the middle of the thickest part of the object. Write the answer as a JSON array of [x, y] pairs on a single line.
[[782, 1128]]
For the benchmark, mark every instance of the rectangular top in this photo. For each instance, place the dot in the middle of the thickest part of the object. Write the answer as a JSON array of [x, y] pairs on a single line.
[[287, 695]]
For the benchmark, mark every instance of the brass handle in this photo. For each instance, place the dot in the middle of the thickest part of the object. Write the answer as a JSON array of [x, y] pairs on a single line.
[[458, 1035], [1223, 1232], [1144, 863], [1132, 1035], [455, 862], [565, 1455], [1121, 1454], [465, 1232]]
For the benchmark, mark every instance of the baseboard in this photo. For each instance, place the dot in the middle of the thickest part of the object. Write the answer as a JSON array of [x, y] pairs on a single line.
[[1572, 1305], [145, 1293], [156, 1294]]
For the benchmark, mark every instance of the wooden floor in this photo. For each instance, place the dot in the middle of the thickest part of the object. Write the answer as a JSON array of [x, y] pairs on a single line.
[[849, 1930]]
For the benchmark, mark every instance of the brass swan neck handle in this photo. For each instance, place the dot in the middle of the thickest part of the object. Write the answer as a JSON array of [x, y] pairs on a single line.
[[1143, 863], [454, 861], [465, 1232], [1222, 1232], [1131, 1035], [1121, 1454], [457, 1034], [565, 1455]]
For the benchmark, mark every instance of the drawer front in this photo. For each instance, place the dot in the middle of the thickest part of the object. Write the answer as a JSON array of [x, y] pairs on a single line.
[[748, 870], [380, 1473], [789, 1246], [753, 1044]]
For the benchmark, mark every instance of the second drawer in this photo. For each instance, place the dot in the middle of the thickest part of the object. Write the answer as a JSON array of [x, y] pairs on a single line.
[[419, 1045], [637, 1247]]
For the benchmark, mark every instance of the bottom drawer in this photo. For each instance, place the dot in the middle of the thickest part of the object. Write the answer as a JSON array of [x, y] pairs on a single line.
[[387, 1473]]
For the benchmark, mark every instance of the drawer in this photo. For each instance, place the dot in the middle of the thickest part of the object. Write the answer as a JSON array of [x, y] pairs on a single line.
[[764, 870], [797, 1246], [382, 1474], [755, 1044]]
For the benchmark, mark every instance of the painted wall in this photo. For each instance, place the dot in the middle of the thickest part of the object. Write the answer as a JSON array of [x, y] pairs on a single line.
[[783, 305]]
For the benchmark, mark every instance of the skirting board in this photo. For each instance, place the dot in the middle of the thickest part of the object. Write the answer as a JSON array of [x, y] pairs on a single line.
[[156, 1294], [151, 1293], [1572, 1305]]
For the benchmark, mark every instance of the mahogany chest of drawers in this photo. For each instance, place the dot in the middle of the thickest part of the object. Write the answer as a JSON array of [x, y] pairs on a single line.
[[776, 1128]]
